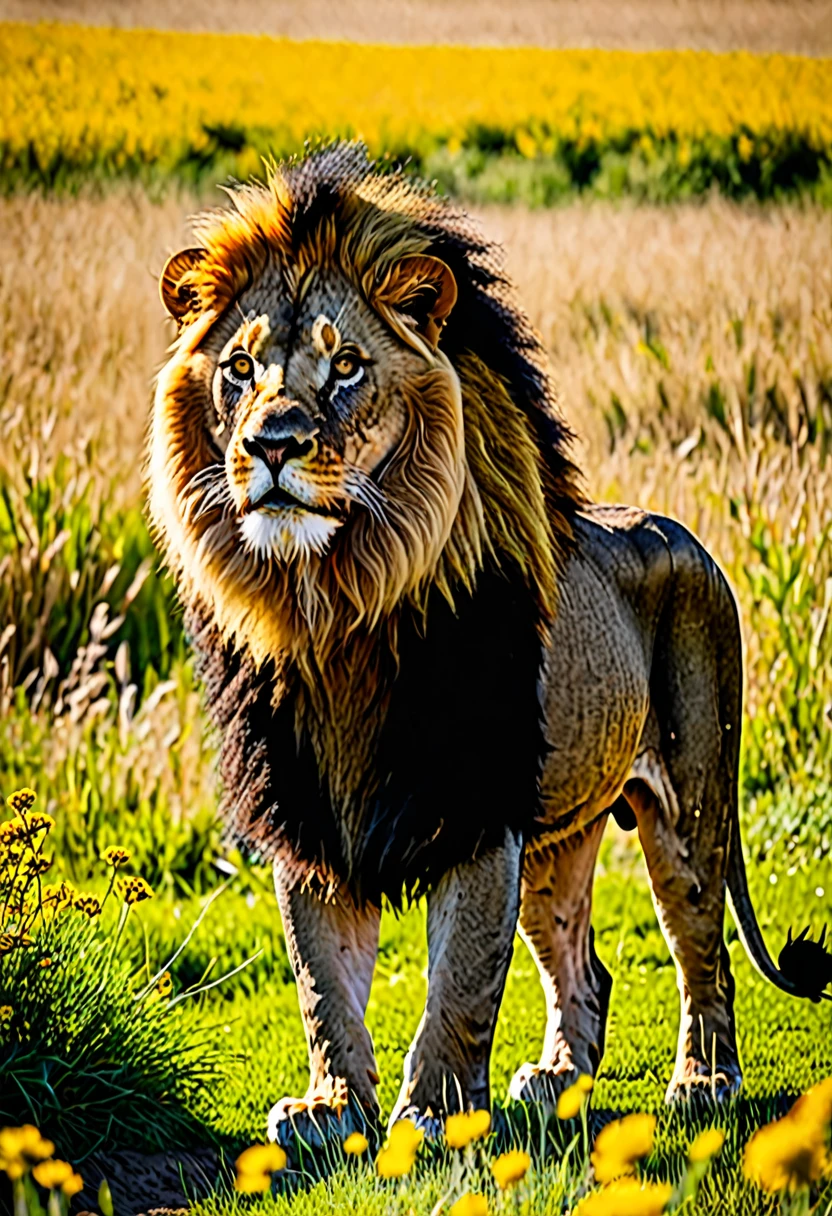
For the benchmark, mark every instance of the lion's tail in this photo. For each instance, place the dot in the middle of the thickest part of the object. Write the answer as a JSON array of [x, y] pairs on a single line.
[[804, 966]]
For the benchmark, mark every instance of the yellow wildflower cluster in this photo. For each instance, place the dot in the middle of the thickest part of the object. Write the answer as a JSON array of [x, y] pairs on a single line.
[[793, 1152], [115, 99], [24, 1150], [255, 1167]]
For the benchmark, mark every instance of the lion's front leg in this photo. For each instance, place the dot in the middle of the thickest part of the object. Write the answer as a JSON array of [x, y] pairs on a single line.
[[472, 916], [332, 945]]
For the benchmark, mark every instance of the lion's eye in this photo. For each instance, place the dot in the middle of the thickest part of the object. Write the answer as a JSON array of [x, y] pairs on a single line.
[[242, 365], [239, 368], [345, 365]]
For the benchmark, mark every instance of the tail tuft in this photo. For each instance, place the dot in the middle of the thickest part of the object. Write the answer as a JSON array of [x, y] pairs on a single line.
[[807, 965]]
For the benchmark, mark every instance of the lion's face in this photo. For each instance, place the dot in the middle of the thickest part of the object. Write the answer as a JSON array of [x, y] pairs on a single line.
[[320, 400], [310, 404]]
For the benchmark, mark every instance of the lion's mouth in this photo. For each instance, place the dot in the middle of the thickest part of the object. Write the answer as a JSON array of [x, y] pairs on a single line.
[[277, 500]]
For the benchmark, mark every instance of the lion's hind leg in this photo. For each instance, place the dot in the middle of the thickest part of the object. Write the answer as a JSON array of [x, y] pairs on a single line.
[[684, 795], [555, 911]]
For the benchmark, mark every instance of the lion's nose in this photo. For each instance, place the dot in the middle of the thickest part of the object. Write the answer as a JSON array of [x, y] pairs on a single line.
[[275, 452], [289, 435]]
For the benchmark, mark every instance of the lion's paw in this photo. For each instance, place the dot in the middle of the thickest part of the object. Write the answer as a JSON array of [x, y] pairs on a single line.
[[697, 1084], [303, 1126]]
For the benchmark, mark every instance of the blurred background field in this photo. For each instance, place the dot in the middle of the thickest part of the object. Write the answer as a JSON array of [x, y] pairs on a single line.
[[688, 318], [492, 124]]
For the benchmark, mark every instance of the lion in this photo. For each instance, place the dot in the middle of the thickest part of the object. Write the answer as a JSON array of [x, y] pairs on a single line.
[[435, 666]]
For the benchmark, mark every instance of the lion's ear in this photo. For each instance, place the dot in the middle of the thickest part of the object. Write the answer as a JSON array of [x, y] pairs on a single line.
[[176, 285], [423, 288]]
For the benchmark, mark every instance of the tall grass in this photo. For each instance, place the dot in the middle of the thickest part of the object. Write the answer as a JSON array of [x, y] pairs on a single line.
[[693, 345]]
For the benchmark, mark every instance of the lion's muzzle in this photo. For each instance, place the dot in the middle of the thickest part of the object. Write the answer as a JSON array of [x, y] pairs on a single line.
[[285, 442]]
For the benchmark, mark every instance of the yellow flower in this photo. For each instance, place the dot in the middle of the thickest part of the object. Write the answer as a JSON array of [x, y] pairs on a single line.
[[164, 984], [73, 1185], [58, 894], [621, 1144], [251, 1184], [256, 1165], [356, 1144], [526, 144], [13, 941], [706, 1145], [6, 1013], [22, 800], [470, 1204], [745, 148], [394, 1163], [627, 1197], [261, 1159], [34, 864], [510, 1168], [815, 1107], [115, 856], [405, 1136], [466, 1126], [90, 905], [399, 1154], [572, 1099], [20, 1147], [40, 822], [791, 1154], [50, 1174], [134, 890], [45, 962]]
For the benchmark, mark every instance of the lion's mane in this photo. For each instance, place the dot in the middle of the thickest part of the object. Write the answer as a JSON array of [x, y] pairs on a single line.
[[324, 679]]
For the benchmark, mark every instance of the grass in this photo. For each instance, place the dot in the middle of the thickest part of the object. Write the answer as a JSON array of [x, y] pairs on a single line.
[[692, 345]]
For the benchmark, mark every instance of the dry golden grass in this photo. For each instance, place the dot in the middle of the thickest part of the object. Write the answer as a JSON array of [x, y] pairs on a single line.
[[719, 288], [693, 345], [799, 26]]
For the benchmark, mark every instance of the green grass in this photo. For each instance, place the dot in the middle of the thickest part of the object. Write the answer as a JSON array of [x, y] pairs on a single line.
[[785, 1045]]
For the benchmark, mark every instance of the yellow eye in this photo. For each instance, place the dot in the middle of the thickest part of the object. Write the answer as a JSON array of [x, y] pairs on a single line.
[[242, 365], [345, 365]]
